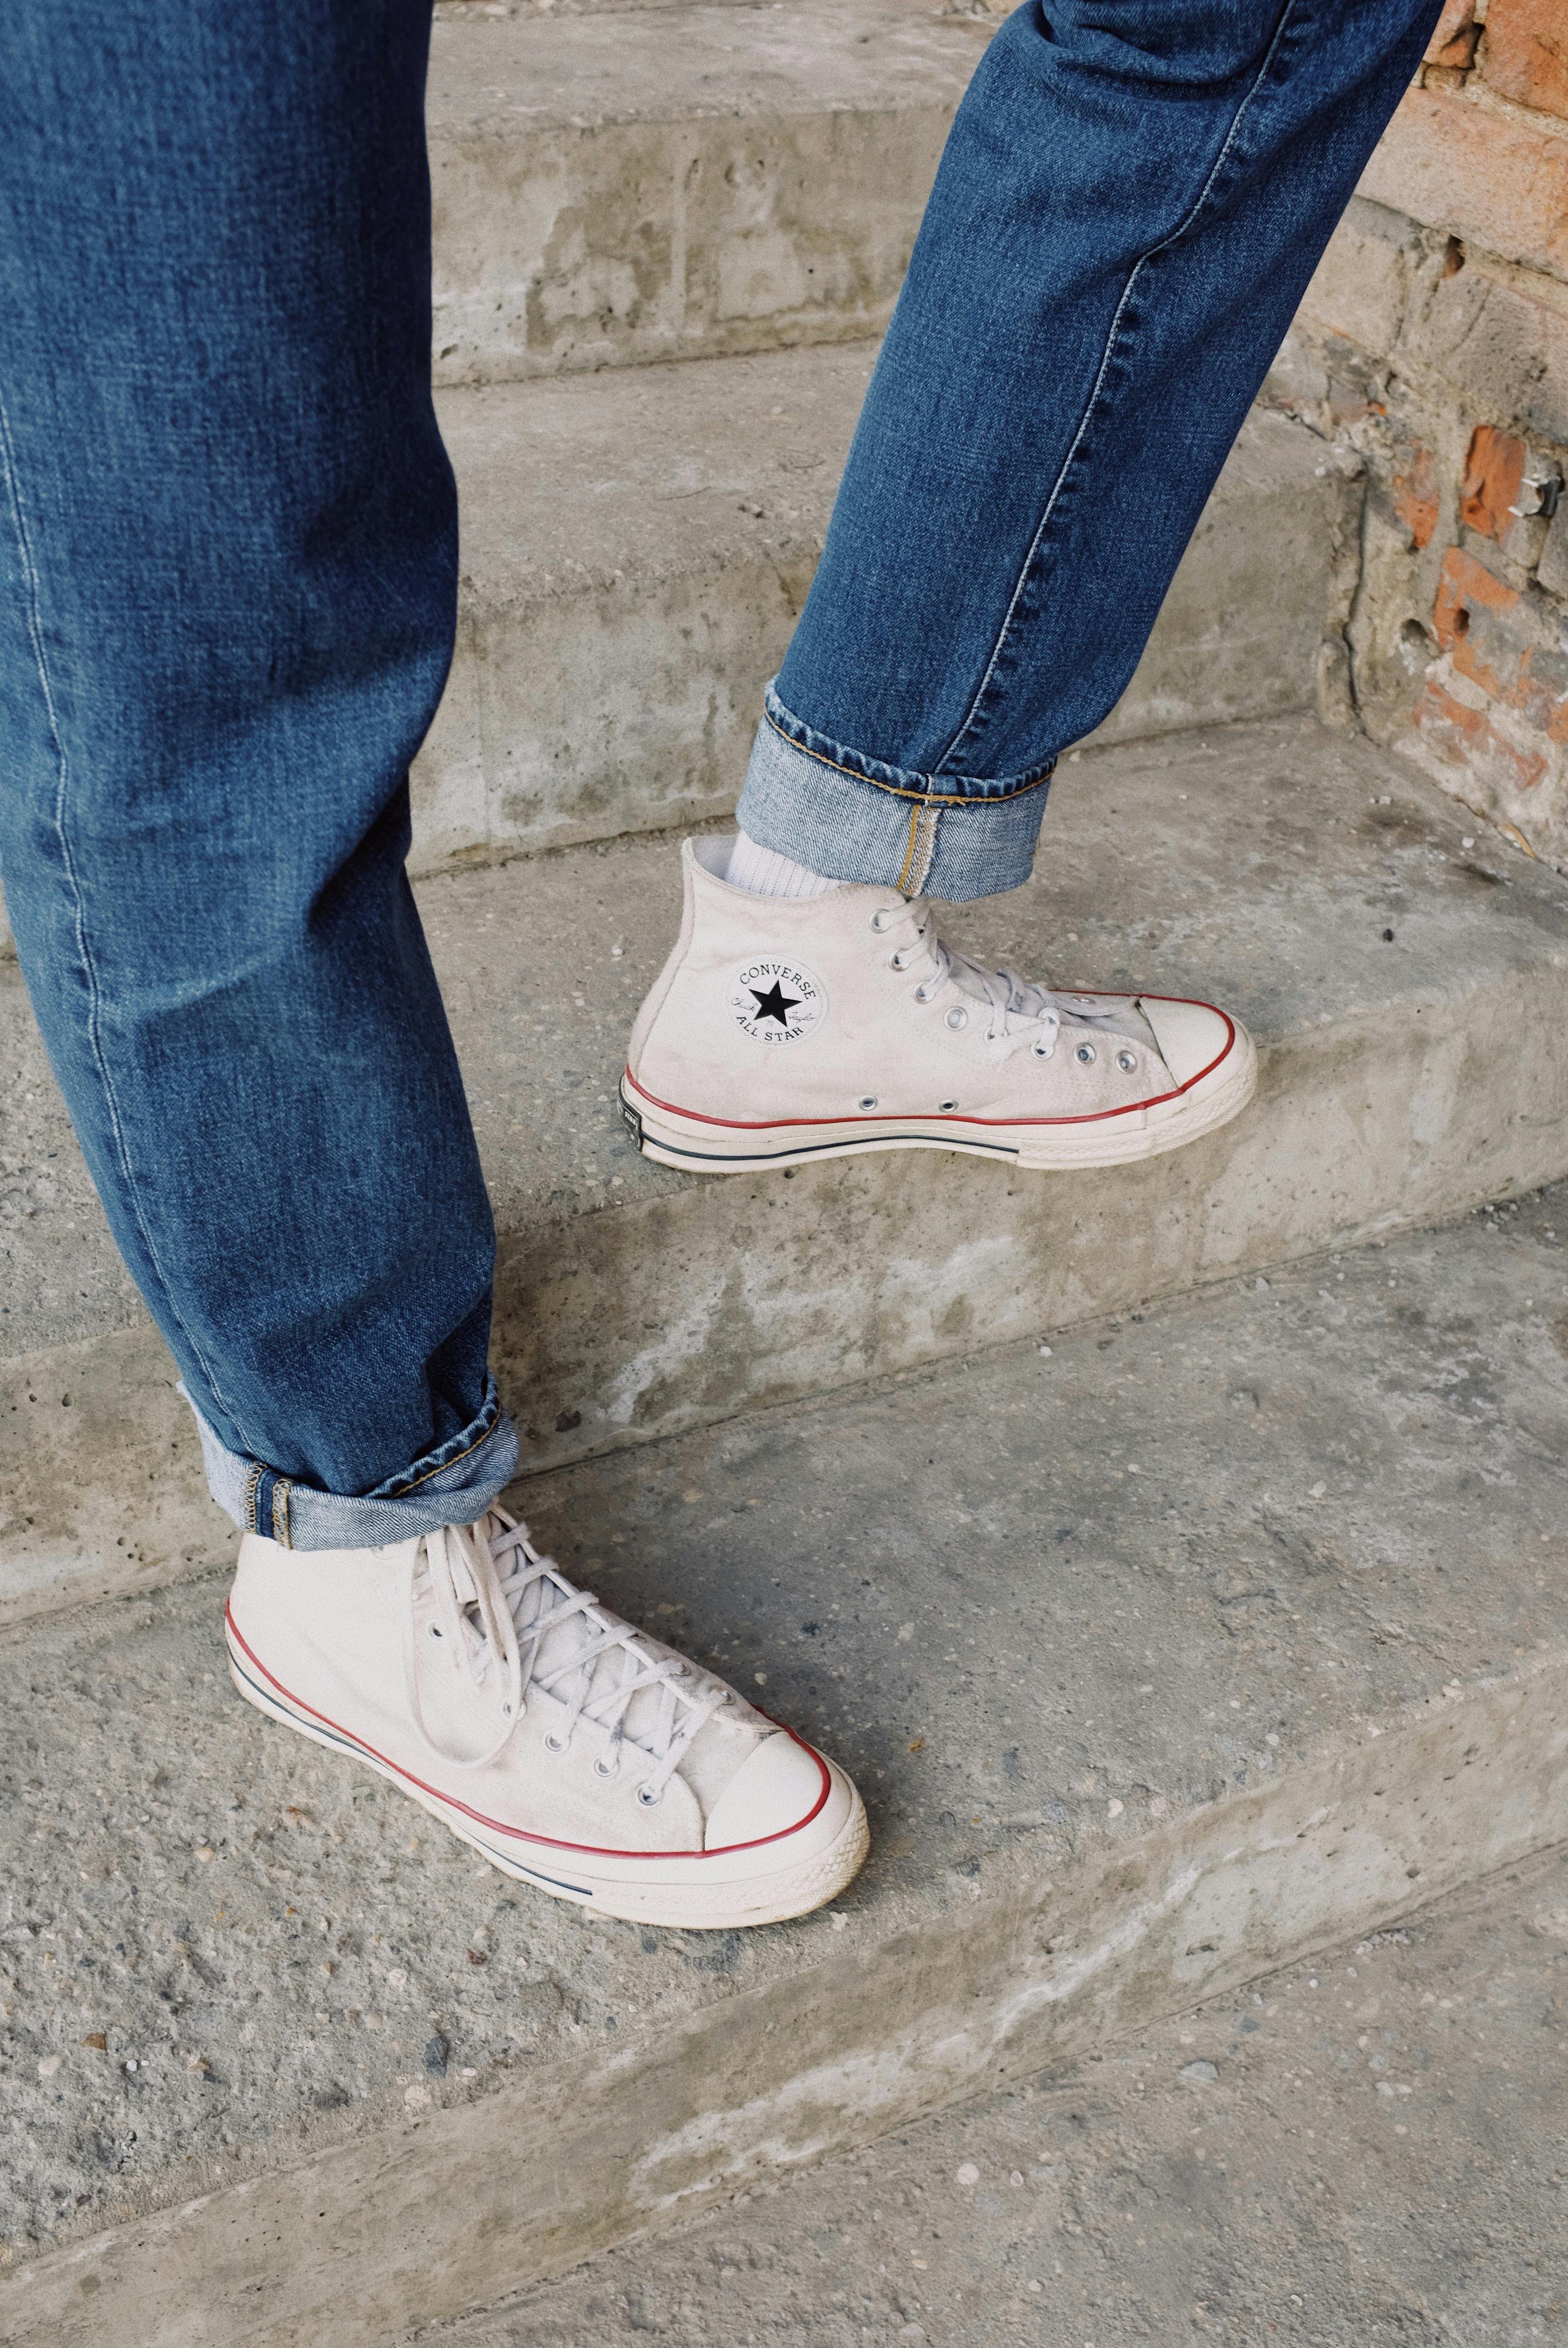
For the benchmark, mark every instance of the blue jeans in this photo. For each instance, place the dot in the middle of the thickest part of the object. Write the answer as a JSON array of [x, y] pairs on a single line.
[[228, 569], [227, 588], [1133, 198]]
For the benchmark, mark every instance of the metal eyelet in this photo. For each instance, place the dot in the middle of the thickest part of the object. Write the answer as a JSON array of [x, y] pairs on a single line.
[[896, 961], [868, 1100], [922, 992], [1042, 1051], [880, 919], [648, 1797], [436, 1630], [1085, 1053], [554, 1743], [958, 1017], [1126, 1062], [946, 1106], [606, 1769]]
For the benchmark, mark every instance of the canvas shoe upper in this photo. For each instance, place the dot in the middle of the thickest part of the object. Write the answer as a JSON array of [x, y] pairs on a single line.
[[574, 1751], [786, 1028]]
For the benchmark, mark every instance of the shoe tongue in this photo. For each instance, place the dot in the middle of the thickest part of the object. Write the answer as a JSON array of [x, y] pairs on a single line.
[[969, 981], [1116, 1014]]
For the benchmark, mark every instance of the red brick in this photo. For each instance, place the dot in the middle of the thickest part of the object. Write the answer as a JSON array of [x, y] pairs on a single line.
[[1505, 353], [1416, 497], [1482, 176], [1467, 737], [1509, 647], [1493, 475], [1465, 589], [1454, 38], [1527, 53]]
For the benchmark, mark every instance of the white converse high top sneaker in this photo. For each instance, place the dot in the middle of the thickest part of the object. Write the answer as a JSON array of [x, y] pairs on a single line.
[[571, 1750], [783, 1029]]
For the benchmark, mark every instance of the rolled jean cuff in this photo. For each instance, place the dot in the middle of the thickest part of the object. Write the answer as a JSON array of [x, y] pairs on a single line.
[[850, 818], [453, 1485]]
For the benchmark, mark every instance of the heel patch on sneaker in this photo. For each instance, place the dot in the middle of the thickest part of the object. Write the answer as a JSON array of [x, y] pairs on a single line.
[[631, 1120], [775, 1002]]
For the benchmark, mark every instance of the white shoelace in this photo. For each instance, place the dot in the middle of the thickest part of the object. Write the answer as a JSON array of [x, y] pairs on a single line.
[[1021, 1010], [498, 1603]]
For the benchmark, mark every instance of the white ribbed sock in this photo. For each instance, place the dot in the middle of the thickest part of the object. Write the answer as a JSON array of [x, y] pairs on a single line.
[[766, 873]]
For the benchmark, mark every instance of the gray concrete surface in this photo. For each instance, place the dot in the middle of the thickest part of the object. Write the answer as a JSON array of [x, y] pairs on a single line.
[[635, 547], [669, 182], [480, 12], [1362, 2150], [1403, 1078], [1212, 1634]]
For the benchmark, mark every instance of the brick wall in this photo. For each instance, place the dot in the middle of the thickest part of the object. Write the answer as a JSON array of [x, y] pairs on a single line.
[[1432, 344]]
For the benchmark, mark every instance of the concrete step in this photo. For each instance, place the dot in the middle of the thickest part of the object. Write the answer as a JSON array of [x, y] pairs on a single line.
[[1410, 995], [635, 547], [481, 12], [1359, 2152], [669, 182], [1219, 1635], [638, 544]]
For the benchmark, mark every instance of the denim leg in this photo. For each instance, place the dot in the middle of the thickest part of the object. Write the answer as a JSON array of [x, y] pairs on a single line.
[[1131, 201], [228, 579]]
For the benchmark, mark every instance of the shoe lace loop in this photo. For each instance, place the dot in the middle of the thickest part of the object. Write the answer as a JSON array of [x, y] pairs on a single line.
[[498, 1604], [1022, 1011]]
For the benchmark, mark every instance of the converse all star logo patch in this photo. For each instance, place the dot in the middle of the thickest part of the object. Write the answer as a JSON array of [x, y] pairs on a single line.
[[775, 1002]]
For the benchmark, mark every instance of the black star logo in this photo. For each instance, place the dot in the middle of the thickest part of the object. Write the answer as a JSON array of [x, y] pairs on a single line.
[[775, 1004]]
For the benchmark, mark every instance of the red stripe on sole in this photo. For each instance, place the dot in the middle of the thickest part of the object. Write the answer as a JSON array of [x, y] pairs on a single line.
[[935, 1117], [521, 1834]]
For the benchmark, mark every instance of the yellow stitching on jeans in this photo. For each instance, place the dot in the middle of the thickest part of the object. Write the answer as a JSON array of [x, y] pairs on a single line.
[[921, 852], [281, 1492], [928, 819], [477, 1444], [252, 1481], [894, 790], [903, 883]]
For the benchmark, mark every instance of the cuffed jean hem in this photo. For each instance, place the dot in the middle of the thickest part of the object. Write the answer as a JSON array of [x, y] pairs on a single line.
[[851, 818], [453, 1485]]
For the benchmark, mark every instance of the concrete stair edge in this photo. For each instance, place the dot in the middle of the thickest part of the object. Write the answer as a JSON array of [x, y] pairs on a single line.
[[669, 182], [1406, 1650], [637, 548], [1403, 1080], [420, 2220]]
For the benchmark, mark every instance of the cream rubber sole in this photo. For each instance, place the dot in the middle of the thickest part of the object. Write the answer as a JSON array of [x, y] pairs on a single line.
[[757, 1883], [709, 1145]]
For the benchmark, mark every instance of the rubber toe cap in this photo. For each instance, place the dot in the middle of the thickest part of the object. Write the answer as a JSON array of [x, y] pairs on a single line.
[[1192, 1036], [777, 1788]]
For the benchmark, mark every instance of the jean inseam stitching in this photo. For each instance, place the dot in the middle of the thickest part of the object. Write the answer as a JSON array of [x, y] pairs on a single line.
[[925, 796], [95, 999], [1097, 386], [283, 1488], [442, 1464]]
